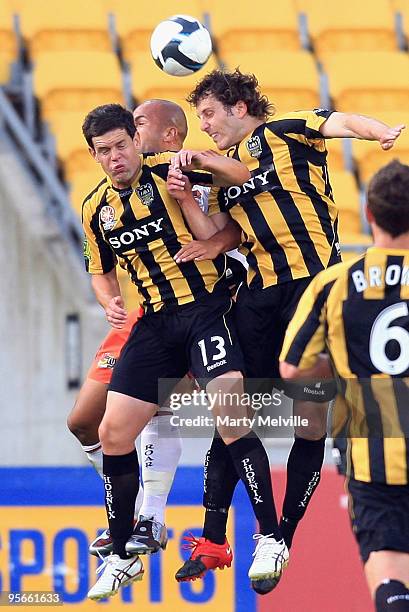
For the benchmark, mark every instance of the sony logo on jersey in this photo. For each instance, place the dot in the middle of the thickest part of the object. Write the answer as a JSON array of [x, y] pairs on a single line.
[[257, 183], [128, 238]]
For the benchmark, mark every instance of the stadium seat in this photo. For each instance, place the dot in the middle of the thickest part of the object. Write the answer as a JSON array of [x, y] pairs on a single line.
[[402, 7], [288, 78], [136, 20], [370, 157], [76, 80], [69, 25], [8, 42], [346, 196], [240, 28], [83, 174], [354, 250], [363, 26], [66, 127], [368, 82], [336, 160], [148, 81], [196, 139]]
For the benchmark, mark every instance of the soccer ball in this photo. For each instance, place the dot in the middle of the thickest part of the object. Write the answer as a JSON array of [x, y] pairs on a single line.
[[180, 45]]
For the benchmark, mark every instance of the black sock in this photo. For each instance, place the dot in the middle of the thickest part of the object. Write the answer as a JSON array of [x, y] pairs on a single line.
[[121, 482], [392, 596], [251, 461], [303, 476], [220, 480]]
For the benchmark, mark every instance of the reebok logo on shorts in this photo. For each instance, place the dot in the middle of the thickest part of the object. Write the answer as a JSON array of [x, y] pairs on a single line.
[[216, 365]]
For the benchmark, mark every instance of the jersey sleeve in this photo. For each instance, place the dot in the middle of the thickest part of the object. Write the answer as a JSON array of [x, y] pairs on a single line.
[[98, 256], [314, 120], [303, 126], [305, 336]]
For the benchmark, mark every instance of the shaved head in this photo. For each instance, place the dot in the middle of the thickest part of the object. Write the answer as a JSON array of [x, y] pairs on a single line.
[[160, 126]]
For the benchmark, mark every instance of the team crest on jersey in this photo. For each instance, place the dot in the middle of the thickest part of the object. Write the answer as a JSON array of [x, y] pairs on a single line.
[[107, 217], [254, 146], [106, 362], [145, 194]]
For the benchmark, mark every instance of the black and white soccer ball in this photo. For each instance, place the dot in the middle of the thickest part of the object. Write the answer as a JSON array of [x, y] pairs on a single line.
[[180, 45]]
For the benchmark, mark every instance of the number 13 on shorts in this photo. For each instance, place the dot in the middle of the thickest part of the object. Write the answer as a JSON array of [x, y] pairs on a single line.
[[216, 349]]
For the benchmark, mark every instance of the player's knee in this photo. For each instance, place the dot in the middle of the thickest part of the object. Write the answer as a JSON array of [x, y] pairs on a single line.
[[81, 428], [75, 425], [111, 435]]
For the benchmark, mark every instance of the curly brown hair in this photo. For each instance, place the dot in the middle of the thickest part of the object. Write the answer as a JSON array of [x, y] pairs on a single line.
[[229, 88], [388, 198]]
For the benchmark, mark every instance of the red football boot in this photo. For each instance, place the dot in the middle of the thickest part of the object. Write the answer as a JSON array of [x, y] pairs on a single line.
[[206, 555]]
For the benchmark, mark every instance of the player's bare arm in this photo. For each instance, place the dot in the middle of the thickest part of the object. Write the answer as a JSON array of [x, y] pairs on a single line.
[[226, 170], [224, 240], [215, 234], [108, 294], [180, 188], [348, 125]]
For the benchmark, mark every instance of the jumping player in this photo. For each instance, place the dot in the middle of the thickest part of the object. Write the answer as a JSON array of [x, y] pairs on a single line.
[[289, 223]]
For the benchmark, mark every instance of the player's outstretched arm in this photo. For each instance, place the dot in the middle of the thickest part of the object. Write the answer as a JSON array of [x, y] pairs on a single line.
[[348, 125], [108, 294], [226, 170]]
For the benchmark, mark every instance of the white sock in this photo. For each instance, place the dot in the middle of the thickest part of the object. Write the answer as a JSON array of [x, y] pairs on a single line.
[[94, 454], [161, 448]]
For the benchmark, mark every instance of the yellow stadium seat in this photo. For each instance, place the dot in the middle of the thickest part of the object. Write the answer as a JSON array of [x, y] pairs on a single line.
[[402, 7], [369, 155], [80, 161], [288, 78], [353, 26], [359, 243], [368, 82], [335, 157], [72, 25], [346, 196], [136, 20], [196, 139], [76, 80], [66, 126], [240, 27], [8, 44], [82, 180], [148, 81]]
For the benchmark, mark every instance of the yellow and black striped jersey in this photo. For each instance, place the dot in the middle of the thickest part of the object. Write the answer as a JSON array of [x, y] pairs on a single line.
[[143, 228], [286, 210], [359, 312]]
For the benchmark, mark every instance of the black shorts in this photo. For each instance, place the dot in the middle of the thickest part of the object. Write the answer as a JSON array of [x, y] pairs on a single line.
[[379, 516], [199, 337], [262, 317]]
